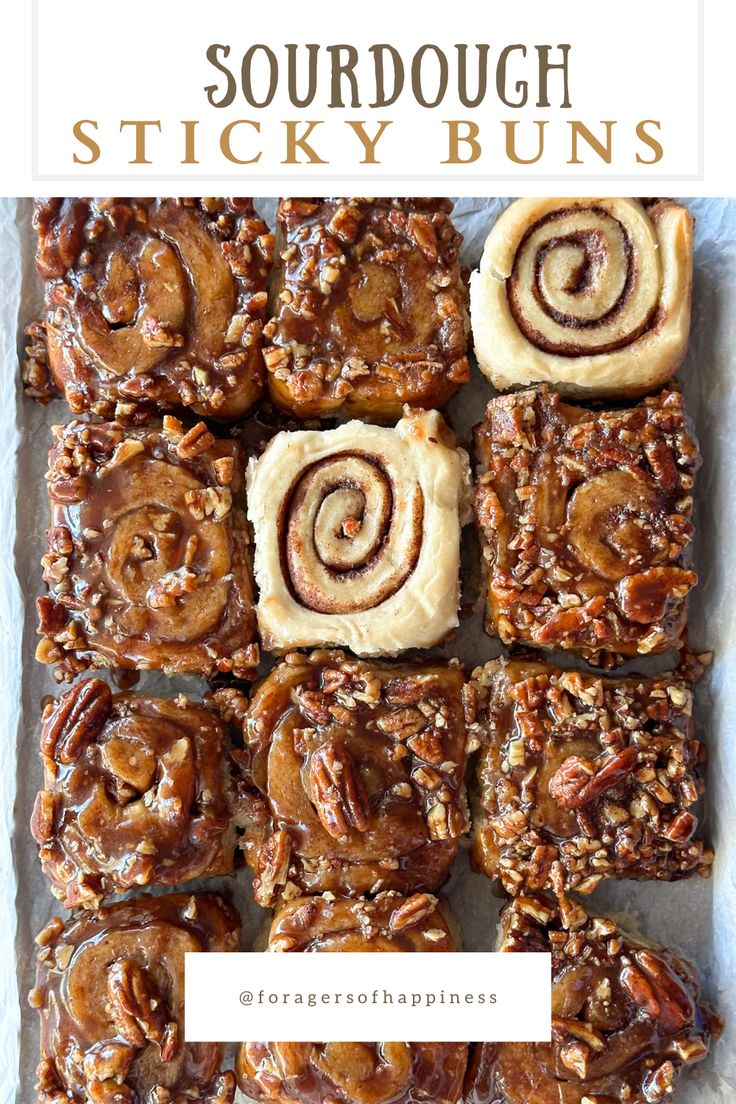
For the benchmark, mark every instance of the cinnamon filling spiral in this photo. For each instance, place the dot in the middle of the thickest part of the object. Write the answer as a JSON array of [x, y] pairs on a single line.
[[586, 280], [351, 538], [172, 579], [612, 524], [110, 995]]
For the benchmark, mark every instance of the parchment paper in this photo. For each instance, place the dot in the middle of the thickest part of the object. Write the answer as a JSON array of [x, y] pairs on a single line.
[[694, 916]]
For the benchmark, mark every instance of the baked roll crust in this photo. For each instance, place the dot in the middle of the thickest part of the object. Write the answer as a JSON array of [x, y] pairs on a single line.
[[148, 563], [387, 922], [357, 1073], [137, 791], [589, 295], [583, 778], [584, 517], [110, 994], [154, 304], [357, 534], [627, 1015], [370, 307], [357, 773]]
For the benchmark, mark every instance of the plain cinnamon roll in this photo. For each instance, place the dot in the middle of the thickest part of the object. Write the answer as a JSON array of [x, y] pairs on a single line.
[[357, 534], [589, 295]]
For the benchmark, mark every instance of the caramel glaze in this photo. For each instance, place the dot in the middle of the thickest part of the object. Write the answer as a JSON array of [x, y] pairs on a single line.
[[356, 771], [110, 994], [585, 517], [626, 1015], [583, 778], [153, 304], [148, 564], [138, 791], [369, 307], [357, 1073]]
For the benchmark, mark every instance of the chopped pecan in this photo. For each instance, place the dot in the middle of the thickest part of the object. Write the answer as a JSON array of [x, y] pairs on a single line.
[[656, 989], [412, 911], [402, 723], [195, 441], [44, 813], [644, 598], [315, 706], [76, 720], [273, 867], [337, 790], [681, 827], [576, 781], [173, 585], [138, 1009]]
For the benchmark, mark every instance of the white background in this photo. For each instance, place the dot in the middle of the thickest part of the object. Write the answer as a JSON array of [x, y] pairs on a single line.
[[215, 1012], [635, 59]]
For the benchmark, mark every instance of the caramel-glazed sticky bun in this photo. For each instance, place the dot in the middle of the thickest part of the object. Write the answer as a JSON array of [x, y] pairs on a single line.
[[357, 771], [627, 1015], [148, 563], [589, 295], [152, 304], [137, 791], [369, 307], [583, 778], [357, 1073], [110, 995], [585, 517]]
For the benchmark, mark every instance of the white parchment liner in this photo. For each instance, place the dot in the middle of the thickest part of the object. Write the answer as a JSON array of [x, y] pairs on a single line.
[[696, 917]]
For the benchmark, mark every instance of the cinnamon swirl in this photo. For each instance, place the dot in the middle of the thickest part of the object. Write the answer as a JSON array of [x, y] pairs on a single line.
[[356, 1073], [627, 1016], [357, 534], [110, 995], [138, 791], [153, 304], [586, 518], [589, 295], [370, 308], [357, 776], [148, 562]]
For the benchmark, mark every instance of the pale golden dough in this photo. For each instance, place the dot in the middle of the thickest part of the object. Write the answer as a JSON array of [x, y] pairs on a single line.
[[589, 295], [357, 534]]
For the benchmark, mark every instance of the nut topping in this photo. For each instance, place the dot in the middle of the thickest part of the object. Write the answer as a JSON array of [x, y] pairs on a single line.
[[337, 790]]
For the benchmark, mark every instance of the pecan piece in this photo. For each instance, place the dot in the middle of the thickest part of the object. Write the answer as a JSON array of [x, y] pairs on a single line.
[[44, 814], [576, 781], [52, 617], [412, 911], [76, 720], [314, 705], [195, 441], [337, 790], [175, 584], [402, 723], [657, 990], [681, 827], [644, 597], [273, 867], [138, 1009]]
